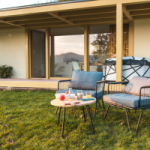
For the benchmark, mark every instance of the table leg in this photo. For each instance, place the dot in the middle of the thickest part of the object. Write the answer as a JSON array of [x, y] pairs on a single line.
[[88, 112], [63, 122], [59, 115], [56, 110], [95, 108], [84, 114]]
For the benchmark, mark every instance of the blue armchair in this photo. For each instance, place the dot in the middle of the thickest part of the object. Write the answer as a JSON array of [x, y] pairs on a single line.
[[85, 81], [134, 96]]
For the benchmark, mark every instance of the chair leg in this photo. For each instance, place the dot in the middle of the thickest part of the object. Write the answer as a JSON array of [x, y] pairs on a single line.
[[103, 103], [106, 112], [129, 110], [58, 115], [56, 110], [95, 108], [99, 104], [128, 119], [139, 121], [84, 114]]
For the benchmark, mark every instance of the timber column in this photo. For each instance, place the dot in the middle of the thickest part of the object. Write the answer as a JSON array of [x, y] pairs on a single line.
[[119, 41], [86, 48], [28, 53], [131, 38], [47, 52]]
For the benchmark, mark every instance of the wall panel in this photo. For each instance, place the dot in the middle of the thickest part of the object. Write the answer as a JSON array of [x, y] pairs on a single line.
[[12, 51]]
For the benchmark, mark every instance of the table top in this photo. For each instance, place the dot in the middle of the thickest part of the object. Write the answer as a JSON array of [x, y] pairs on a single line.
[[57, 102]]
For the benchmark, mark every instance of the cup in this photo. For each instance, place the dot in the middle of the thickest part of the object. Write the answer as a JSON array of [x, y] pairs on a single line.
[[88, 94], [79, 94]]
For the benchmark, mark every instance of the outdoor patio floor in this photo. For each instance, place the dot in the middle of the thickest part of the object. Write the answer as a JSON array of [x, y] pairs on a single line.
[[29, 83], [28, 121]]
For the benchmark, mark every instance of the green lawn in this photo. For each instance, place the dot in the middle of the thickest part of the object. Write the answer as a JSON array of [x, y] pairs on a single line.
[[28, 121]]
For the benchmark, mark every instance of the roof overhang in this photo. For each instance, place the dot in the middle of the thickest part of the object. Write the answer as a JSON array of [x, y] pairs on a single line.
[[77, 13]]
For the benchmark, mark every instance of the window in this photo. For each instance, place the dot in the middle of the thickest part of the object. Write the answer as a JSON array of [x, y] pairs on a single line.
[[99, 47], [67, 51], [103, 45]]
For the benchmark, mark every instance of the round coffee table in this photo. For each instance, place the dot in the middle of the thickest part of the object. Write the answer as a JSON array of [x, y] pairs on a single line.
[[81, 103]]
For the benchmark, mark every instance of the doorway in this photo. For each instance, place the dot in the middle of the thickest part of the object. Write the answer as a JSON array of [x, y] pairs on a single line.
[[38, 69]]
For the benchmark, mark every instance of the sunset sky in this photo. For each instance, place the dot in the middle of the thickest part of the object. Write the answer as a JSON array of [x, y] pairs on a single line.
[[73, 43], [13, 3]]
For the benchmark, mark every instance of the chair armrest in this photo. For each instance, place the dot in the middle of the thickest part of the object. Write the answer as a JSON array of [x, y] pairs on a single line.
[[143, 87], [65, 83], [100, 85], [64, 80], [115, 87], [123, 82], [108, 81], [98, 82]]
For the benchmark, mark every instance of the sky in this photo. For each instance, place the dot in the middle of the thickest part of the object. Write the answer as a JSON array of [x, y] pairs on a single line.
[[72, 43], [13, 3]]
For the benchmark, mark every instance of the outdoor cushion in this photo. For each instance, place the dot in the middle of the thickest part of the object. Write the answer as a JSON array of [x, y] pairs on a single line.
[[133, 87], [85, 80], [126, 100], [99, 94]]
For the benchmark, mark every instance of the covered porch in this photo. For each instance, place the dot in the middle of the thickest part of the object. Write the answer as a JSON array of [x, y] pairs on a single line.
[[80, 18]]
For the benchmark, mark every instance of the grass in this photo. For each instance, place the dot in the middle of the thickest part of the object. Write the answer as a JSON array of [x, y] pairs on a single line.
[[27, 121]]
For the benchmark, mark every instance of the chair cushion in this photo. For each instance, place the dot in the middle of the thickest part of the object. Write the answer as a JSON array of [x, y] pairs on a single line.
[[85, 80], [126, 100], [133, 87]]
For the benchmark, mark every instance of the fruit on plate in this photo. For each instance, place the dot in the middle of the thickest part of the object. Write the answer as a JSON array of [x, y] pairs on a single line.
[[62, 97], [67, 92]]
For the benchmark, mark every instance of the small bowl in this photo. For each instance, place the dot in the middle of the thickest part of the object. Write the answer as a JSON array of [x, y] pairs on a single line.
[[70, 96]]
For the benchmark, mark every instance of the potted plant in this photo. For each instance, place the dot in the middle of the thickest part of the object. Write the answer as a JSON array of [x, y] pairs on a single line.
[[5, 71]]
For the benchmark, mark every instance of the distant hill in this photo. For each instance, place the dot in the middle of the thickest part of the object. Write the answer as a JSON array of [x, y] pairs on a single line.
[[69, 57]]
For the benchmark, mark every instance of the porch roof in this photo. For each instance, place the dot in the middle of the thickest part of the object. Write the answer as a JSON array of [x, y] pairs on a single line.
[[73, 14]]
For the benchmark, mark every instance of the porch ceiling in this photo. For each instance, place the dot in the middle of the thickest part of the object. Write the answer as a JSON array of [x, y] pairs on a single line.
[[96, 15]]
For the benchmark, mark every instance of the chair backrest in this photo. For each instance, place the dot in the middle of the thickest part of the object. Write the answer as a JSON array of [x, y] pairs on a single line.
[[75, 65], [85, 80]]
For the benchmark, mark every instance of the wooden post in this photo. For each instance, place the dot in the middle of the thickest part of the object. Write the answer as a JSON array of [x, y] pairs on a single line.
[[119, 41], [131, 38], [86, 48], [47, 52], [28, 53], [52, 59]]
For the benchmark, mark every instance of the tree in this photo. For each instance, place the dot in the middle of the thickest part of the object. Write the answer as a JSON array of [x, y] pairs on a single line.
[[100, 53]]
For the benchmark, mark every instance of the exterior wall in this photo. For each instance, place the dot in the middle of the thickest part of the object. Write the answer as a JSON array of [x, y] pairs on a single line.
[[12, 51], [142, 38]]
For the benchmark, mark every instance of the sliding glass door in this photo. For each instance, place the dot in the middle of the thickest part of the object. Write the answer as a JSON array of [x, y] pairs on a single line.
[[38, 54]]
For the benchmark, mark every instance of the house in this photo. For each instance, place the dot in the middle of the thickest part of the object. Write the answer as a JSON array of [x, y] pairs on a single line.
[[44, 42]]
